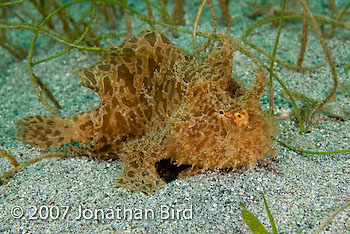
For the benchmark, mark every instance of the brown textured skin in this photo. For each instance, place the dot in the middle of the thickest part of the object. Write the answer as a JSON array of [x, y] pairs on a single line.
[[157, 103]]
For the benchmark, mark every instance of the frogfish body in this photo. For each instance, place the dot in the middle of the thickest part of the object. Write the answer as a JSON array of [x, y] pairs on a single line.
[[159, 104]]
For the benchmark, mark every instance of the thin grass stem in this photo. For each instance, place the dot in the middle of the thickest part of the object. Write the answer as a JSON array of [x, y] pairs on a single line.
[[329, 60], [302, 151], [274, 56]]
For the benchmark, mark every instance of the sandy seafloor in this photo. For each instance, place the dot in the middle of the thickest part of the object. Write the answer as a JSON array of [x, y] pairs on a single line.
[[301, 190]]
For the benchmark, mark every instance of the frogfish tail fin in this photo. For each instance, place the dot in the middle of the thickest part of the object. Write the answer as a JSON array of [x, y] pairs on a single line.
[[45, 132]]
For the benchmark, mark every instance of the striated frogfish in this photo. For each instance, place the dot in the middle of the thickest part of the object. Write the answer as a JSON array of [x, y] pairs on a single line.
[[158, 103]]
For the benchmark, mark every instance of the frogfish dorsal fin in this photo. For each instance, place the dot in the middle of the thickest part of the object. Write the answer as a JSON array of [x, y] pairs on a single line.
[[131, 65]]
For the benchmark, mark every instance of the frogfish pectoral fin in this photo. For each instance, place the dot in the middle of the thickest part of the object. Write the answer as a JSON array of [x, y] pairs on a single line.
[[140, 174]]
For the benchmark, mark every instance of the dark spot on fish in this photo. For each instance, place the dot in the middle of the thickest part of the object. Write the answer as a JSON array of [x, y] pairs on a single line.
[[151, 38], [90, 76], [128, 52], [104, 67]]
